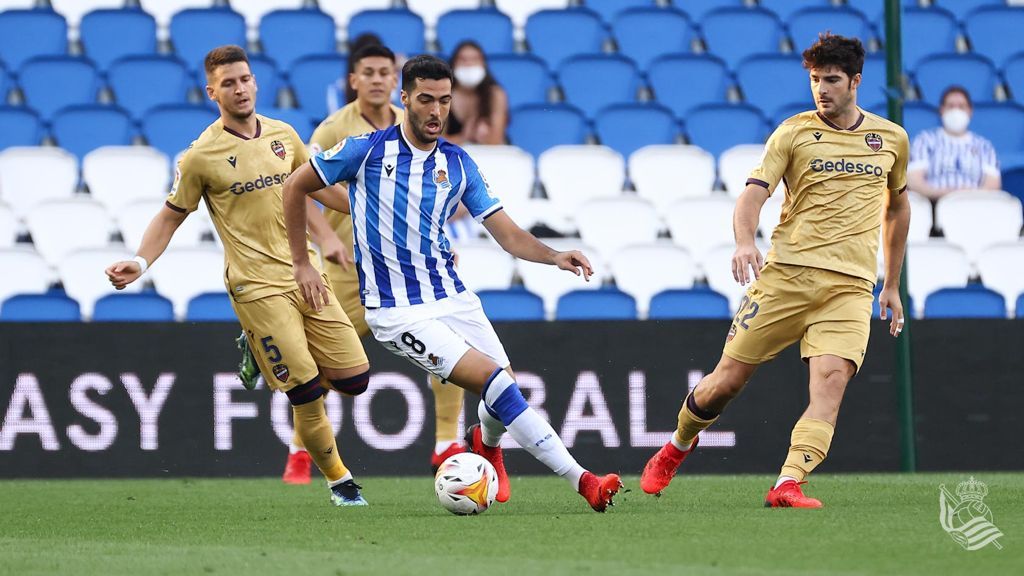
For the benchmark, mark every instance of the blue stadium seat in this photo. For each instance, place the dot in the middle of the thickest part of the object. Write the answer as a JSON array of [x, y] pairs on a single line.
[[975, 73], [918, 117], [196, 31], [786, 9], [268, 81], [682, 82], [994, 32], [547, 30], [489, 28], [926, 31], [515, 304], [970, 302], [50, 83], [718, 127], [760, 31], [785, 112], [689, 305], [25, 34], [137, 307], [21, 127], [1013, 72], [289, 35], [400, 30], [874, 10], [1013, 182], [644, 34], [628, 127], [1020, 306], [524, 77], [604, 304], [82, 129], [698, 9], [298, 119], [537, 127], [609, 10], [49, 307], [310, 78], [141, 83], [1003, 124], [111, 34], [873, 81], [5, 83], [170, 129], [616, 75], [772, 82], [806, 24], [962, 8], [210, 307]]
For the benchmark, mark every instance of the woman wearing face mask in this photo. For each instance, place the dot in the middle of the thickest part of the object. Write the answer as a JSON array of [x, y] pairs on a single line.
[[952, 158], [479, 113]]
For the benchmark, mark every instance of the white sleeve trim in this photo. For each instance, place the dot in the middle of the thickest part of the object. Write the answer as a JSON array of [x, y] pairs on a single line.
[[490, 211]]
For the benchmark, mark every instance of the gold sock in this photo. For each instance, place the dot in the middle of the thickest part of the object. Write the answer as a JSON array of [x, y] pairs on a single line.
[[314, 429], [808, 447], [297, 440], [690, 423], [447, 406]]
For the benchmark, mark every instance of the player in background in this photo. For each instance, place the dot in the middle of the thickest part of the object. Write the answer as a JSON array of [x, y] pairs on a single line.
[[237, 166], [845, 172], [403, 184]]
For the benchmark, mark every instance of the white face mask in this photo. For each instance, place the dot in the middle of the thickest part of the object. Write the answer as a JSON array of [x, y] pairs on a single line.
[[470, 76], [956, 120]]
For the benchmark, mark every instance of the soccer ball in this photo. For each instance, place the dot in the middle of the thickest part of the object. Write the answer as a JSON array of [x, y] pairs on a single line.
[[466, 484]]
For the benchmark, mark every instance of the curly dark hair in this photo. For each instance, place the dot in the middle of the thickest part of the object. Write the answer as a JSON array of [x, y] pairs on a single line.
[[847, 54]]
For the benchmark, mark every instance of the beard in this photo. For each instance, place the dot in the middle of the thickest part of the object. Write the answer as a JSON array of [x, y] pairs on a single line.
[[417, 125]]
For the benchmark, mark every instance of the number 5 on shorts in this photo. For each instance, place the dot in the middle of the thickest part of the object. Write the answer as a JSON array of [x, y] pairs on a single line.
[[273, 352]]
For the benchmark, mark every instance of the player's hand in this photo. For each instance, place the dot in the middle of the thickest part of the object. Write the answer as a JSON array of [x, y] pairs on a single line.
[[574, 261], [747, 256], [889, 298], [123, 273], [334, 250], [312, 286]]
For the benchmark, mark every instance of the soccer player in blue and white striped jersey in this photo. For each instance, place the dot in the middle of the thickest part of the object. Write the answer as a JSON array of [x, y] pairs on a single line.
[[404, 182]]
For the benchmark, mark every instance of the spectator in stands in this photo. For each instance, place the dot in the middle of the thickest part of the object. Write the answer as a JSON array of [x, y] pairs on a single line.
[[479, 113], [952, 158]]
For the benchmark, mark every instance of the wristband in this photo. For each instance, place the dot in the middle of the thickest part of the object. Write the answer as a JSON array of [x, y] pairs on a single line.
[[143, 265]]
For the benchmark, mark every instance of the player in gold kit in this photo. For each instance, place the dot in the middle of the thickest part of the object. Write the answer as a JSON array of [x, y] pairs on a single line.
[[238, 166], [845, 172]]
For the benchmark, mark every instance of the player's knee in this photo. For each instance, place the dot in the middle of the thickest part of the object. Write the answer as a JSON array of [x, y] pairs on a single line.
[[306, 393], [352, 385]]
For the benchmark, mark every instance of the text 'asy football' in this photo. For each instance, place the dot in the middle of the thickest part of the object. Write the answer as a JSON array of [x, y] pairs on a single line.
[[466, 484]]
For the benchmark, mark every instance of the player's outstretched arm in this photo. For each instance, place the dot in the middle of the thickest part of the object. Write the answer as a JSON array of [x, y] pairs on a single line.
[[744, 226], [895, 226], [154, 241], [526, 246], [297, 188]]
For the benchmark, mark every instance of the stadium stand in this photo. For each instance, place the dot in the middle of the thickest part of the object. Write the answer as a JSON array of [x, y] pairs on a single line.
[[608, 10], [432, 11], [20, 169], [255, 11], [937, 72], [655, 169], [701, 224], [1002, 124], [9, 228], [617, 76], [604, 304], [210, 307], [962, 8], [774, 81], [119, 175], [932, 266], [110, 34], [538, 127], [184, 273], [141, 83], [927, 31], [706, 124], [48, 223], [681, 82], [976, 219], [401, 30], [84, 128], [164, 10], [77, 78], [694, 304], [611, 224], [512, 305], [574, 175], [137, 307], [22, 127], [970, 302], [75, 11], [196, 31], [133, 217], [761, 31], [645, 270], [520, 10], [343, 10], [628, 127], [310, 78], [278, 37], [26, 34], [491, 29], [483, 265], [806, 23], [81, 274], [170, 129], [999, 266], [34, 274], [551, 283], [524, 77], [646, 33], [546, 32], [49, 307]]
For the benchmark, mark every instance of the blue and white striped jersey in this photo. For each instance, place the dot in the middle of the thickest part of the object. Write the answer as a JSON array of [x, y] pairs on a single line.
[[956, 162], [401, 197]]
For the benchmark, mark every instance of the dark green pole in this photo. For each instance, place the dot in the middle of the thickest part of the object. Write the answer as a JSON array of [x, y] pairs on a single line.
[[904, 374]]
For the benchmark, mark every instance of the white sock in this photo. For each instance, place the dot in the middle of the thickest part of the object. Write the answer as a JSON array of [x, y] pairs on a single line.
[[680, 446], [345, 478], [292, 448], [491, 429], [784, 479]]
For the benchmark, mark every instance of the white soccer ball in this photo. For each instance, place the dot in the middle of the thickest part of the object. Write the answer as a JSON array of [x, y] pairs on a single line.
[[466, 484]]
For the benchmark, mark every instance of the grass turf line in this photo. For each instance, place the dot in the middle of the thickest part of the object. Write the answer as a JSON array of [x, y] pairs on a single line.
[[872, 524]]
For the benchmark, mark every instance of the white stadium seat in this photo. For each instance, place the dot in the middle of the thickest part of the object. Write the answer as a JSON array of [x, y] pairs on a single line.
[[483, 265], [509, 170], [717, 266], [611, 224], [9, 227], [666, 173], [132, 219], [920, 217], [343, 10], [73, 10], [976, 219], [59, 227], [431, 10], [645, 270], [735, 165], [550, 282], [84, 279], [33, 275], [932, 266], [520, 10], [701, 224], [163, 10], [572, 175], [1002, 269], [771, 213], [119, 175], [254, 10], [30, 175], [184, 273]]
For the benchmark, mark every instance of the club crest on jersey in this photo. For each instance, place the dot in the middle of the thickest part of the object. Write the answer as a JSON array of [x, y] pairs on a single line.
[[281, 372], [441, 179], [278, 149], [874, 141]]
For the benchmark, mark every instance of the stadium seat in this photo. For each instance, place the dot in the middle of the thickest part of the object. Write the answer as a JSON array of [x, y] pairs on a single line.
[[926, 31], [81, 273], [524, 77], [931, 266], [963, 8], [969, 302], [119, 175], [1002, 124], [760, 30], [644, 34], [771, 214], [137, 307], [807, 23], [9, 228], [629, 127], [655, 172], [512, 305], [1000, 268], [520, 10], [40, 77], [718, 127], [171, 129], [295, 117], [196, 31], [21, 128], [164, 10], [696, 304], [255, 10], [400, 30], [735, 165], [717, 267], [574, 175], [50, 307], [489, 28], [1020, 306], [773, 81], [310, 78], [608, 10], [681, 82], [210, 307], [82, 129], [6, 83], [921, 219], [1013, 72], [26, 34], [183, 273], [698, 10], [279, 39], [509, 170], [701, 224], [268, 82], [21, 187], [617, 76], [644, 270], [937, 72], [547, 30], [432, 11], [141, 83], [49, 223], [918, 117], [604, 304], [483, 265], [872, 86], [786, 9], [612, 224], [34, 274], [1013, 181], [133, 217], [537, 127], [551, 283], [74, 11], [977, 219], [108, 35]]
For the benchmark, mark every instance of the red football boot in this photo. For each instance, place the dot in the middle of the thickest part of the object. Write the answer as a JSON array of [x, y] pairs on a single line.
[[662, 467], [296, 471], [599, 491], [789, 495], [475, 443], [437, 459]]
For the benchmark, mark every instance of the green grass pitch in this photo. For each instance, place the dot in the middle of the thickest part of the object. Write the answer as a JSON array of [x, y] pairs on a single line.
[[872, 524]]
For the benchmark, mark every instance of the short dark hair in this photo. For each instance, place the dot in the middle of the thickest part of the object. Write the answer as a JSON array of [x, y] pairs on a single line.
[[833, 50], [956, 89], [426, 67], [222, 55], [370, 51]]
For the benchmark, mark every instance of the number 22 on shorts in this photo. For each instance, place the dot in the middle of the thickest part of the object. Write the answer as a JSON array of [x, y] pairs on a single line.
[[750, 307]]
